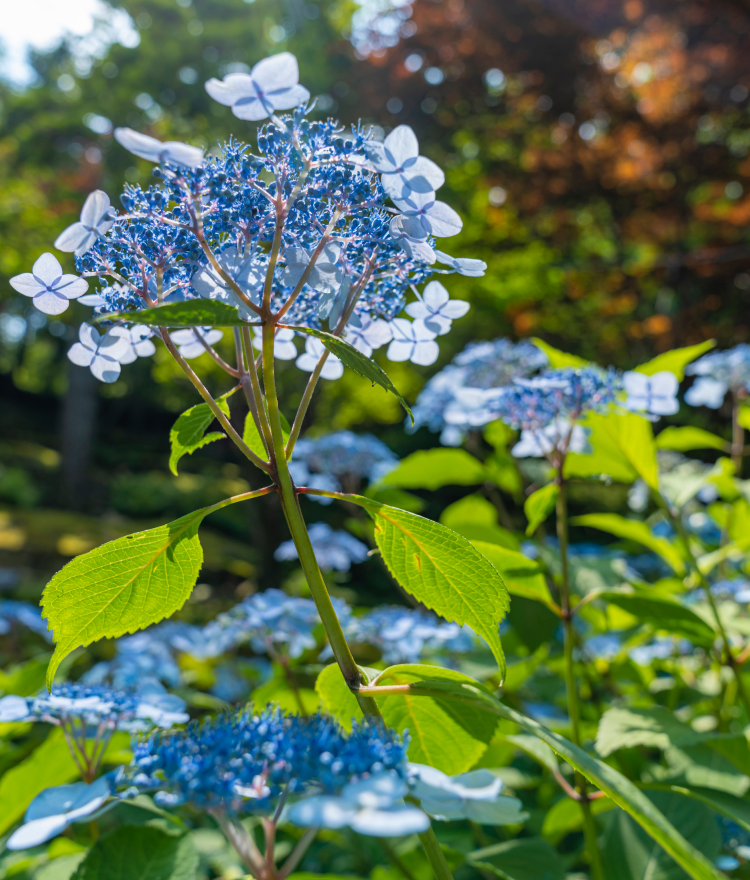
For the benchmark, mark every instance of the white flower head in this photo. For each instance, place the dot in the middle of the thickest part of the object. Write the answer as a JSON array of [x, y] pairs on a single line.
[[146, 147], [49, 289], [283, 344], [314, 348], [97, 216], [248, 273], [366, 334], [188, 341], [706, 392], [402, 170], [437, 218], [273, 84], [655, 394], [413, 341], [536, 444], [141, 345], [101, 354], [437, 309], [462, 265]]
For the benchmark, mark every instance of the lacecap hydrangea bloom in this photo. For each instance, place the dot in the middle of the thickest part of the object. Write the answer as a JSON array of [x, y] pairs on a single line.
[[356, 238], [334, 549], [717, 373]]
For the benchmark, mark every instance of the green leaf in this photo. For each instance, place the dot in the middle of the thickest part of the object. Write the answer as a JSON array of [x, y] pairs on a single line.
[[441, 570], [280, 692], [653, 727], [355, 360], [743, 416], [522, 576], [616, 786], [623, 447], [704, 766], [687, 438], [189, 431], [476, 518], [536, 749], [565, 817], [442, 733], [61, 867], [193, 313], [663, 614], [734, 808], [434, 468], [252, 437], [630, 854], [139, 853], [539, 505], [528, 858], [633, 530], [123, 586], [675, 361], [49, 764], [557, 358]]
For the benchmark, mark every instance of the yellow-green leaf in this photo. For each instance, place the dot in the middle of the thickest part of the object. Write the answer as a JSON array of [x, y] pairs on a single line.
[[522, 576], [189, 431], [687, 438], [676, 360], [557, 358], [539, 505], [434, 468]]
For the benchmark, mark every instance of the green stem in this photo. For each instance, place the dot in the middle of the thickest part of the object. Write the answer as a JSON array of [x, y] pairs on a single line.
[[341, 652], [305, 403], [729, 658], [589, 828], [738, 435]]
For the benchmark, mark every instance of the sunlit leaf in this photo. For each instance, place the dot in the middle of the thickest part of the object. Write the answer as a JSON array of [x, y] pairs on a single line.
[[676, 360], [557, 358], [633, 530], [663, 614], [687, 438], [193, 313], [189, 431], [522, 576], [539, 505], [434, 468]]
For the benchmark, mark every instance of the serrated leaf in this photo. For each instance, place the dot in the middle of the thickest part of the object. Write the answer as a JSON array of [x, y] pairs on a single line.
[[703, 765], [441, 733], [193, 313], [355, 360], [188, 433], [528, 858], [442, 570], [559, 359], [663, 614], [251, 435], [139, 853], [688, 438], [634, 530], [521, 575], [630, 854], [123, 586], [676, 360], [653, 727], [434, 468], [623, 447], [734, 808], [539, 505]]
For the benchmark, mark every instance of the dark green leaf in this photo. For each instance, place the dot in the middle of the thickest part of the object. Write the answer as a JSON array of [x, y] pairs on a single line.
[[193, 313], [139, 853], [189, 431], [355, 360], [539, 505], [734, 808], [633, 530], [663, 614], [653, 727], [530, 858]]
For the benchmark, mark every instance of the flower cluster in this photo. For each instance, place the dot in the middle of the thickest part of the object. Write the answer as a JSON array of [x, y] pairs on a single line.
[[242, 762], [14, 612], [453, 400], [334, 549], [718, 373], [91, 706], [341, 256], [404, 635], [339, 462]]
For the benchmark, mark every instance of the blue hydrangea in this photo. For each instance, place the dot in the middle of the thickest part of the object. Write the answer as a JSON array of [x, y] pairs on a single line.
[[242, 762], [717, 373], [446, 403], [30, 616], [334, 549]]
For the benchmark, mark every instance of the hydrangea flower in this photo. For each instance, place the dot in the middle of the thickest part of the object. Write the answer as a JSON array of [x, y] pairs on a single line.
[[49, 289], [189, 344], [314, 348], [54, 809], [242, 762], [557, 435], [372, 806], [413, 341], [462, 265], [141, 345], [405, 635], [436, 217], [97, 216], [403, 171], [24, 613], [283, 344], [474, 795], [247, 272], [437, 309], [144, 655], [344, 458], [449, 400], [273, 84], [719, 372], [101, 353], [655, 394], [333, 549], [171, 152], [367, 334]]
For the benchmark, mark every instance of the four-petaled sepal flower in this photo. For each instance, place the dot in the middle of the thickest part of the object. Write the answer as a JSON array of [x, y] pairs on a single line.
[[49, 289]]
